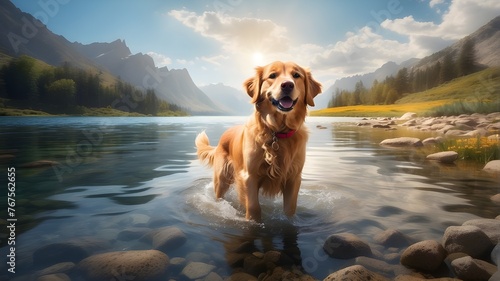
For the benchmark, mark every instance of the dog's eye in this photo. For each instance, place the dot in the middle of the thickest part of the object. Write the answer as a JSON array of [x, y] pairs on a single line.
[[272, 75], [296, 75]]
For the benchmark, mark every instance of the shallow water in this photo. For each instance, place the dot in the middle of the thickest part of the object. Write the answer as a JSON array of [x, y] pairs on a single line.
[[116, 173]]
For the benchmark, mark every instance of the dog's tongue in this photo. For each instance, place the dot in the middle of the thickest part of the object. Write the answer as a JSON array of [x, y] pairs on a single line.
[[286, 102]]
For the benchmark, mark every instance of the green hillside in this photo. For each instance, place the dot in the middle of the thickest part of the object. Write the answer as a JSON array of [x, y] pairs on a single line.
[[478, 92], [29, 86], [480, 86]]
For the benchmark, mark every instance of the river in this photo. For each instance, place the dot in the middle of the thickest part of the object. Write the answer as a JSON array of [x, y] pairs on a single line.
[[120, 172]]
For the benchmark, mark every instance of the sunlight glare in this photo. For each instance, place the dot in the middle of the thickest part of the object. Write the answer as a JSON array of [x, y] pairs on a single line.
[[257, 58]]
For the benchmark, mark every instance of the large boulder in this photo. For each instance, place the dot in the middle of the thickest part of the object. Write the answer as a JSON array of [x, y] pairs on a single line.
[[402, 142], [128, 265], [467, 268], [426, 255], [490, 227], [346, 246], [467, 239]]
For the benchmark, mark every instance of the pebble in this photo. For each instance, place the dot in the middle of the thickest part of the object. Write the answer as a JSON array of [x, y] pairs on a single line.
[[132, 233], [212, 276], [166, 239], [355, 272], [392, 238], [195, 270]]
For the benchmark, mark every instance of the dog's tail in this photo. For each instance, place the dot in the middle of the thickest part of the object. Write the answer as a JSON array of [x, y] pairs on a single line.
[[204, 150]]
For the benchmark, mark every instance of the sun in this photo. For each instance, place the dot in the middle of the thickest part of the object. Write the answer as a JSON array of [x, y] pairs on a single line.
[[257, 58]]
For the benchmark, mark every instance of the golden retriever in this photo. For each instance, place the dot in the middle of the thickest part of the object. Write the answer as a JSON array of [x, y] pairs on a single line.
[[268, 152]]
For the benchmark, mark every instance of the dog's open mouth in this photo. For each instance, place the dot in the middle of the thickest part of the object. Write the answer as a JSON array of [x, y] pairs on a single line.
[[284, 104]]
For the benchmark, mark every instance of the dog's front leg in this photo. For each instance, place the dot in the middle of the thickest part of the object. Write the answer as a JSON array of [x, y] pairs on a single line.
[[290, 195], [252, 199]]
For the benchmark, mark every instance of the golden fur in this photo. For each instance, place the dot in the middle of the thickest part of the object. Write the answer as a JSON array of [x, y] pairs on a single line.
[[249, 156]]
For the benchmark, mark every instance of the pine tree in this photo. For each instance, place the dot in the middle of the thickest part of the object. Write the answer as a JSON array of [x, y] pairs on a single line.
[[447, 71], [20, 79], [402, 82], [467, 58]]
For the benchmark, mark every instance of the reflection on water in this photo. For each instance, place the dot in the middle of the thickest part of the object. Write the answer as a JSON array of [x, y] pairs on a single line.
[[118, 173]]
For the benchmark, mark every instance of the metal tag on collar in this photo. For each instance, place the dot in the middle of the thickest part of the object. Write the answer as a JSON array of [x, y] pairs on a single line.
[[275, 144]]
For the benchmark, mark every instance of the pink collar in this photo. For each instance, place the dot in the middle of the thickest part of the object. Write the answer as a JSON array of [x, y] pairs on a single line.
[[285, 135]]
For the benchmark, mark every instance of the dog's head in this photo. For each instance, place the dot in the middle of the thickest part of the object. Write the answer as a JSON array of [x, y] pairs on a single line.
[[282, 87]]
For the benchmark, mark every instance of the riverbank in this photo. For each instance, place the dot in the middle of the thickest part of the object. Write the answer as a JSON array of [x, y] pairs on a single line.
[[474, 137], [90, 112]]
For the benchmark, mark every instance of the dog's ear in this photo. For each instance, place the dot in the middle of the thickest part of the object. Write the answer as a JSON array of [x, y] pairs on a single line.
[[313, 88], [252, 85]]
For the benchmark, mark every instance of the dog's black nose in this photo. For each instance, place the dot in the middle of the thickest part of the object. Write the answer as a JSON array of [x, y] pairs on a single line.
[[287, 87]]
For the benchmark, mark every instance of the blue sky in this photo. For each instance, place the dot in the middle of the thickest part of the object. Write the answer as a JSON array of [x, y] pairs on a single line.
[[222, 40]]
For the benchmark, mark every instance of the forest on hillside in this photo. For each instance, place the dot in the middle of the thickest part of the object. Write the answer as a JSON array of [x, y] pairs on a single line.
[[406, 82], [70, 90]]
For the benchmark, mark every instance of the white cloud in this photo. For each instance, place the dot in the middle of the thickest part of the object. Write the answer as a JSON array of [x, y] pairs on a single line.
[[361, 52], [408, 25], [215, 60], [184, 62], [236, 34], [434, 3], [462, 18], [159, 59]]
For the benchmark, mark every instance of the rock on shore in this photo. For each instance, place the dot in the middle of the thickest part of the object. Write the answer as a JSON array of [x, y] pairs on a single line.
[[492, 166], [446, 157], [402, 142]]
